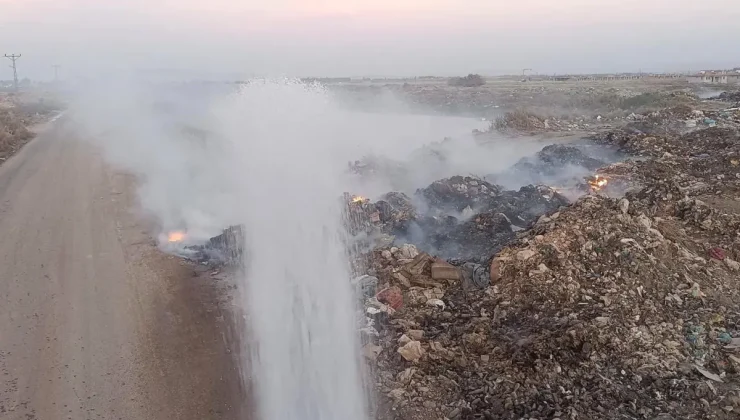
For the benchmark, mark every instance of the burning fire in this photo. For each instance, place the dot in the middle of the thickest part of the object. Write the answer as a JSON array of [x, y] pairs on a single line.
[[358, 199], [597, 182], [176, 236]]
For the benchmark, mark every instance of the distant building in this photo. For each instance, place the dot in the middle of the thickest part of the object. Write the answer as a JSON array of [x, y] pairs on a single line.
[[327, 80], [716, 77]]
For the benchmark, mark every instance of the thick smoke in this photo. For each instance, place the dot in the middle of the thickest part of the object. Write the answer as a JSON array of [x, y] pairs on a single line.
[[172, 137], [273, 156], [287, 137], [163, 135]]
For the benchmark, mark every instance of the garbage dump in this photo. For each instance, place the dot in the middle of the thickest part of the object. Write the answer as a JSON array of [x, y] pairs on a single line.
[[460, 217], [517, 304], [597, 289], [556, 164]]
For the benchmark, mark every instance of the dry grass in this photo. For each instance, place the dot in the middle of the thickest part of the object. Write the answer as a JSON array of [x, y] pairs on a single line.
[[18, 112], [607, 103], [13, 132], [519, 120], [552, 99], [471, 80]]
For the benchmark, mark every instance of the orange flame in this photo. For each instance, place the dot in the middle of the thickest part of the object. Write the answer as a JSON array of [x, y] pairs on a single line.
[[597, 182], [358, 199], [176, 236]]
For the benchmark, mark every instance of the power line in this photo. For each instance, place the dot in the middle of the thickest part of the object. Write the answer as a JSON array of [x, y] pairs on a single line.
[[13, 58]]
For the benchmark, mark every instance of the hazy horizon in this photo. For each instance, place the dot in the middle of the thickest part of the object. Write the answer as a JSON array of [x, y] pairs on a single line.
[[220, 40]]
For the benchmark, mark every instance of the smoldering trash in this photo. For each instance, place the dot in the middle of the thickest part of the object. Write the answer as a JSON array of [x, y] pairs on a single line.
[[560, 298], [225, 249]]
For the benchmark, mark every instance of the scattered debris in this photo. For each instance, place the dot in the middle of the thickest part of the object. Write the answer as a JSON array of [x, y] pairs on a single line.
[[621, 301], [622, 304], [555, 158], [729, 96], [411, 351], [224, 249]]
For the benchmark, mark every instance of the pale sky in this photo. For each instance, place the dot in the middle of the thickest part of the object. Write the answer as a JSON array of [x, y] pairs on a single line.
[[227, 38]]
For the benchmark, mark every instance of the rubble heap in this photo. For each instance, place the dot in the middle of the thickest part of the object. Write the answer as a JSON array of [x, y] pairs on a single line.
[[481, 234], [463, 218], [457, 193], [636, 139], [729, 96], [224, 249], [390, 213], [678, 119], [522, 121], [609, 308], [554, 159], [695, 143]]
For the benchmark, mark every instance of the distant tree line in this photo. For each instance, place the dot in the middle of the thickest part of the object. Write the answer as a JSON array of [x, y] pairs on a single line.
[[471, 80]]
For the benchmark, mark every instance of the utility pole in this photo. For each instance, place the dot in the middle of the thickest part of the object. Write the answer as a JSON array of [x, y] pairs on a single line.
[[56, 72], [524, 73], [13, 58]]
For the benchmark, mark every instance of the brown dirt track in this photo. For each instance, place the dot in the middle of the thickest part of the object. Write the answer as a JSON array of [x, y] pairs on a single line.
[[95, 322]]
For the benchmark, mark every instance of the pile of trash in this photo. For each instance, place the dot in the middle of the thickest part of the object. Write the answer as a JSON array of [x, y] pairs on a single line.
[[224, 249], [695, 143], [553, 161], [458, 192], [675, 121], [568, 169], [623, 307], [729, 96], [460, 217], [522, 121]]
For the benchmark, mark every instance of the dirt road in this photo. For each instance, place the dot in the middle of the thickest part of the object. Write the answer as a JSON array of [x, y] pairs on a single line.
[[95, 323]]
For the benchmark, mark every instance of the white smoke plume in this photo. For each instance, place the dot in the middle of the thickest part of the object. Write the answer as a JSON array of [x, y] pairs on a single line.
[[287, 137], [272, 155]]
